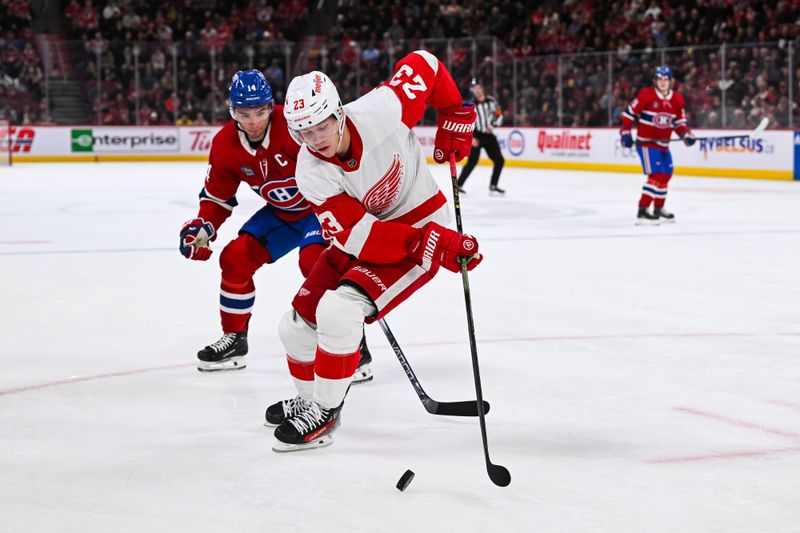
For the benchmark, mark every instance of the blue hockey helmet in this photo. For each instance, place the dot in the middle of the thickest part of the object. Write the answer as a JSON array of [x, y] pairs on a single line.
[[663, 72], [249, 88]]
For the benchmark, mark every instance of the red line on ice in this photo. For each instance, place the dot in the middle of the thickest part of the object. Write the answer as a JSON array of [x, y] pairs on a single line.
[[91, 378], [736, 422], [724, 455]]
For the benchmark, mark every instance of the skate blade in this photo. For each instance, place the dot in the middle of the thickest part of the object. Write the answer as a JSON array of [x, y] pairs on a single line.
[[363, 375], [645, 222], [233, 363], [667, 221], [321, 442]]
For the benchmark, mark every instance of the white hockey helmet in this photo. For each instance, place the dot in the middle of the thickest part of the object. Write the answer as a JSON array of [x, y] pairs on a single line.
[[310, 99]]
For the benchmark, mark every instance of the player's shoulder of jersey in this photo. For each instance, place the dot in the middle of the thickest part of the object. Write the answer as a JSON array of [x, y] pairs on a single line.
[[279, 136]]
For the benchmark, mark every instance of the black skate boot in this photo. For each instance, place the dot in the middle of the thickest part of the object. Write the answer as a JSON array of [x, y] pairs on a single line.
[[364, 371], [277, 413], [225, 354], [663, 215], [494, 189], [312, 427], [645, 218]]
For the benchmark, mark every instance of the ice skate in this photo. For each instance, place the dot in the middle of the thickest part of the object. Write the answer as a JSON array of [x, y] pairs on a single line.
[[277, 413], [495, 190], [312, 427], [225, 354], [664, 216], [364, 371], [645, 218]]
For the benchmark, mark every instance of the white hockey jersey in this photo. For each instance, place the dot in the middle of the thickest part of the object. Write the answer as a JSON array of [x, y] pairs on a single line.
[[386, 182]]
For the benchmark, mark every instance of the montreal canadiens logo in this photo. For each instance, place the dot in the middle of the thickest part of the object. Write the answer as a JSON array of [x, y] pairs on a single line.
[[662, 119], [283, 194]]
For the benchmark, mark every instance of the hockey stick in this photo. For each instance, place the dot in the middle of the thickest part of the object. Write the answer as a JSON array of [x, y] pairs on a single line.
[[466, 408], [758, 129], [499, 475]]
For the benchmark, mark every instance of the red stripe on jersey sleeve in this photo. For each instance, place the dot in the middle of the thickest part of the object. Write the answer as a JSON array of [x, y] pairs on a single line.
[[214, 213], [416, 85]]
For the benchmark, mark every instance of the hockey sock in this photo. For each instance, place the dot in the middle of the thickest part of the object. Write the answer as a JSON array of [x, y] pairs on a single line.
[[303, 376], [334, 372], [239, 261]]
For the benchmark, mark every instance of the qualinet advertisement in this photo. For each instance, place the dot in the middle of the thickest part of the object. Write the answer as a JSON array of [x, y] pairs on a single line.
[[770, 154]]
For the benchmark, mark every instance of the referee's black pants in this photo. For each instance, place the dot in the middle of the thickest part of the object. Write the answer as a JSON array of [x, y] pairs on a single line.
[[488, 142]]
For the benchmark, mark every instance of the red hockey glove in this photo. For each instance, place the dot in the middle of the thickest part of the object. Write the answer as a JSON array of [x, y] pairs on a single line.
[[195, 236], [444, 247], [454, 134]]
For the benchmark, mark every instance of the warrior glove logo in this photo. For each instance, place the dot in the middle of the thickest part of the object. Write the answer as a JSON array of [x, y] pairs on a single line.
[[430, 248], [458, 127]]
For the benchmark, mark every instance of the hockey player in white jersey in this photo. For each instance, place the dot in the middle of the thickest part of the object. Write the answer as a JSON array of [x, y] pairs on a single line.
[[366, 177]]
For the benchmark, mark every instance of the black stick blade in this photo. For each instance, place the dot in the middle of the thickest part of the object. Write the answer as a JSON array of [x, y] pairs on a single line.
[[499, 475], [467, 408]]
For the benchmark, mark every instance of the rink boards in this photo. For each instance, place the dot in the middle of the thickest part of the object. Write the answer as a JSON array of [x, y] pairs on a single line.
[[773, 154]]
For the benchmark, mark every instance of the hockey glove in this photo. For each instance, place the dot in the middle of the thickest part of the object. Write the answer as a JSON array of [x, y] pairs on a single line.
[[195, 236], [689, 138], [454, 134], [437, 244], [626, 139]]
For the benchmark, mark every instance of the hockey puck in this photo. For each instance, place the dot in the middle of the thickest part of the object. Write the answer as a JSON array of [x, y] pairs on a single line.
[[405, 480]]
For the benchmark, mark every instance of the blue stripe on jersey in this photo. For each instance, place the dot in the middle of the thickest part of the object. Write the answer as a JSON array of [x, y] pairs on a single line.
[[236, 304], [228, 204]]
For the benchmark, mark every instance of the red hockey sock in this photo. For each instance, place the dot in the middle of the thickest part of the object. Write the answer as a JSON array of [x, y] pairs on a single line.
[[239, 261]]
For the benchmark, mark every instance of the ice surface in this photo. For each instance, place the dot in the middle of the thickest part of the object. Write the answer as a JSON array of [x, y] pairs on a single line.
[[642, 379]]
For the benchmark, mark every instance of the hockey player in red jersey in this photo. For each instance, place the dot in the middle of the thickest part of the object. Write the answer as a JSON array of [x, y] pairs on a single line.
[[660, 110], [255, 148], [365, 175]]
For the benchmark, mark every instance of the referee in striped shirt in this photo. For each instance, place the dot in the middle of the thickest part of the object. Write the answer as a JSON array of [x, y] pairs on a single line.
[[489, 117]]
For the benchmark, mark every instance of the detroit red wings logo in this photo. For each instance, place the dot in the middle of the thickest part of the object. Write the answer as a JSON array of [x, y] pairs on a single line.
[[384, 193]]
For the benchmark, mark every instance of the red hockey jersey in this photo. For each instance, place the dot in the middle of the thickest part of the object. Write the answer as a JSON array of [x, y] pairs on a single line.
[[658, 117], [269, 171]]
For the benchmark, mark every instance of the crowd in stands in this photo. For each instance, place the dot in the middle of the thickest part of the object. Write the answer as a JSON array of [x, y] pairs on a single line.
[[548, 63], [628, 39], [170, 62], [21, 75]]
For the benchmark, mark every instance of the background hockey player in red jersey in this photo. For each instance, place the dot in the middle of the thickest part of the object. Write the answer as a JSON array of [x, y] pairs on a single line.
[[660, 110], [256, 148], [365, 174]]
